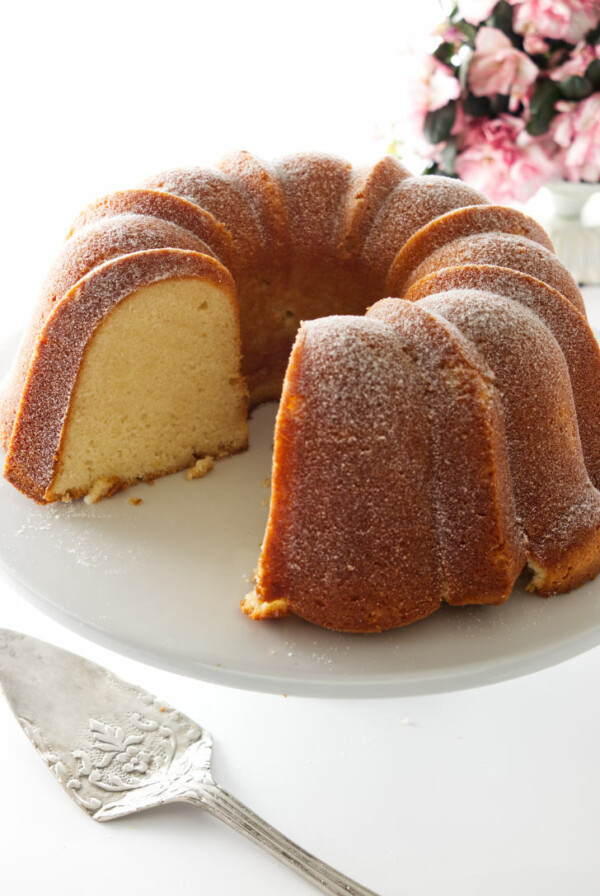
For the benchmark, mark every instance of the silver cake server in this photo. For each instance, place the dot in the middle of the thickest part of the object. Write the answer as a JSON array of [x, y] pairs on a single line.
[[117, 749]]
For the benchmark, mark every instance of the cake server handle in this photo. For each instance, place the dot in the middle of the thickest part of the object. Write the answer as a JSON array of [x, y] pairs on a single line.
[[223, 805]]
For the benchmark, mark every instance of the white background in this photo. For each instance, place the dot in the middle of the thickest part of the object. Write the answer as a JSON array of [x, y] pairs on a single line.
[[95, 97], [484, 792]]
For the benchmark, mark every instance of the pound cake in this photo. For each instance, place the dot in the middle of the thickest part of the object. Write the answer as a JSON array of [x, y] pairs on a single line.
[[429, 447]]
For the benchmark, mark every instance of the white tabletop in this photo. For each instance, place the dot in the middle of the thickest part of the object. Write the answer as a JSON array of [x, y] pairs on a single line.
[[489, 791]]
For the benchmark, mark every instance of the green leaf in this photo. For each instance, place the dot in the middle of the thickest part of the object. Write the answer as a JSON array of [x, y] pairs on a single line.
[[545, 94], [592, 74], [538, 126], [468, 31], [438, 123], [593, 36], [444, 52], [540, 123], [502, 18], [500, 103], [541, 107], [477, 106], [575, 88], [542, 61], [558, 44], [432, 168], [449, 156]]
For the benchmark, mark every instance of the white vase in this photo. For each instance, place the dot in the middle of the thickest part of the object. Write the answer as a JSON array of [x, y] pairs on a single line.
[[576, 241]]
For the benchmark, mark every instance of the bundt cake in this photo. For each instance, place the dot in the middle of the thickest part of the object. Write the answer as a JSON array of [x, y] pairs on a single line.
[[428, 447], [99, 413]]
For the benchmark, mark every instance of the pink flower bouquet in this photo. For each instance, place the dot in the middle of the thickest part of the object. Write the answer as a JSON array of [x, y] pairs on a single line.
[[510, 97]]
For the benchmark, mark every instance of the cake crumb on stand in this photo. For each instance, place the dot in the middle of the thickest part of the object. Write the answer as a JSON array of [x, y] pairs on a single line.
[[202, 466]]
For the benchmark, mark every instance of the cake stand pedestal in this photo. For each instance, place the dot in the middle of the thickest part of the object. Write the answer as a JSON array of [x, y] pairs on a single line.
[[576, 237]]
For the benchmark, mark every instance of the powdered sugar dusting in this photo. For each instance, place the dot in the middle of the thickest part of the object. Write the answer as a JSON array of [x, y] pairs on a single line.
[[79, 534], [358, 417], [53, 372], [411, 205], [471, 478], [90, 247], [508, 251], [567, 325], [370, 186], [167, 207], [549, 478], [353, 408], [315, 186], [218, 194], [458, 224], [258, 180], [109, 238]]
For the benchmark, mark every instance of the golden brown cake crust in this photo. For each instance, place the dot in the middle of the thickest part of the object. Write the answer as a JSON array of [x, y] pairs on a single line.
[[447, 408], [369, 188], [557, 506], [413, 203], [566, 323], [480, 561], [258, 180], [322, 550], [218, 194], [88, 248], [314, 187], [506, 250], [167, 207], [267, 328], [458, 224], [54, 368], [445, 399], [109, 238]]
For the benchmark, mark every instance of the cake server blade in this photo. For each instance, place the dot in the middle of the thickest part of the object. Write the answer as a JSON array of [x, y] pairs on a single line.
[[117, 749]]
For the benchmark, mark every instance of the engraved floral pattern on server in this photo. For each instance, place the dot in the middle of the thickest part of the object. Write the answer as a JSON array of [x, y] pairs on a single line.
[[115, 759]]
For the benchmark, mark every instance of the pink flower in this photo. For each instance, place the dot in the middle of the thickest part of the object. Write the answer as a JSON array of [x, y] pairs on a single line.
[[577, 131], [577, 62], [535, 45], [498, 67], [460, 121], [503, 161], [434, 86], [450, 34], [568, 20], [438, 84], [475, 11]]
